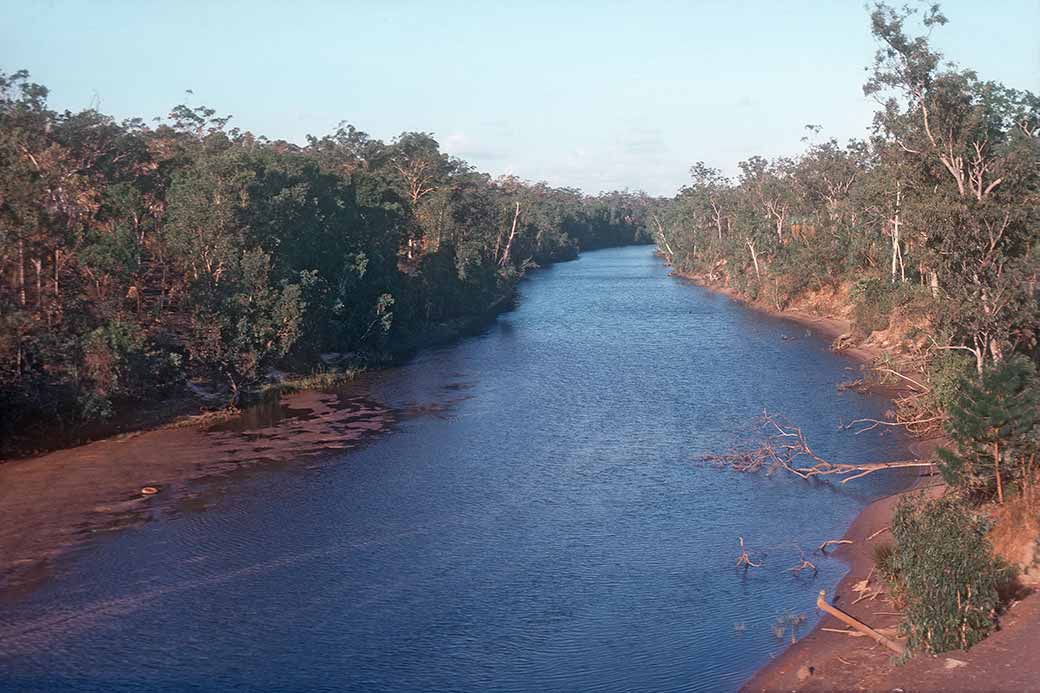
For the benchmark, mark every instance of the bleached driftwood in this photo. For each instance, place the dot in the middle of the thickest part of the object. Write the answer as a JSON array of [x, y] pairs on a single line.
[[744, 560], [821, 603], [785, 448]]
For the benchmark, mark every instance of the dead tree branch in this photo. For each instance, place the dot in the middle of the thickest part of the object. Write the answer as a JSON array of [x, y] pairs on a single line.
[[821, 603], [804, 565], [874, 423], [822, 548], [879, 532], [744, 560], [785, 448], [909, 380]]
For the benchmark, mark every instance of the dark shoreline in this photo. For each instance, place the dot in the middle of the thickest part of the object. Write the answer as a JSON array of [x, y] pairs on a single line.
[[182, 409], [66, 495]]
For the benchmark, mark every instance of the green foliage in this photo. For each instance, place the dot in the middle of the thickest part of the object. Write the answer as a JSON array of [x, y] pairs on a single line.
[[243, 324], [138, 256], [992, 422], [885, 556], [934, 214], [946, 372], [120, 361], [873, 301], [933, 218], [944, 573]]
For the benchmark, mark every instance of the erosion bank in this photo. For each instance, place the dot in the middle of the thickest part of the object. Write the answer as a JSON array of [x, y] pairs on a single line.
[[826, 660]]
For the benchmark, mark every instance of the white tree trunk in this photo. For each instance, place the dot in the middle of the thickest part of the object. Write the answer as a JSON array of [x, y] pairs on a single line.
[[512, 235], [21, 271], [754, 258], [897, 259]]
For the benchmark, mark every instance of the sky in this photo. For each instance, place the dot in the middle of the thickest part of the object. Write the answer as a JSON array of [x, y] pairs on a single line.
[[598, 95]]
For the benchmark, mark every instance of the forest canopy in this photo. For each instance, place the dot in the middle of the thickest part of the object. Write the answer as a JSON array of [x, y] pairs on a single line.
[[139, 257], [935, 214]]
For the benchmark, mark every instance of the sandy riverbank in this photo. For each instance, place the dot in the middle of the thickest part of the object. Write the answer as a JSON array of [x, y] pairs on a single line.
[[825, 660], [57, 502]]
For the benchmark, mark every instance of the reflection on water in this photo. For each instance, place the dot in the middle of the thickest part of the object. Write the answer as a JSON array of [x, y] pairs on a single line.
[[535, 521]]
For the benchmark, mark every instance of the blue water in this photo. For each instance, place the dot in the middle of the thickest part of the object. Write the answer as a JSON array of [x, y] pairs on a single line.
[[550, 529]]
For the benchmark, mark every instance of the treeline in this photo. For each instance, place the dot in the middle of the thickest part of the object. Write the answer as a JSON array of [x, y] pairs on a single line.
[[929, 229], [939, 205], [137, 257], [933, 219]]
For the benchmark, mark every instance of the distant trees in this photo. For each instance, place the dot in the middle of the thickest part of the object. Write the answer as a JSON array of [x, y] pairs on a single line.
[[134, 258], [944, 195]]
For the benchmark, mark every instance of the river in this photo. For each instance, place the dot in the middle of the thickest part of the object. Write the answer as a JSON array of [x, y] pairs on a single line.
[[544, 524]]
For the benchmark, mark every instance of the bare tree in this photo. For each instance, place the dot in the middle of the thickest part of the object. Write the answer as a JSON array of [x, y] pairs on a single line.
[[785, 448]]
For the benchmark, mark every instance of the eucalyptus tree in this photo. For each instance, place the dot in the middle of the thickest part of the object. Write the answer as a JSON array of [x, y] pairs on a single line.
[[697, 225], [135, 256], [976, 143], [416, 164], [768, 184]]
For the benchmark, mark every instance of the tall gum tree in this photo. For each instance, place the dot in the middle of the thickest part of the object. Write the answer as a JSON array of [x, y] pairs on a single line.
[[976, 144]]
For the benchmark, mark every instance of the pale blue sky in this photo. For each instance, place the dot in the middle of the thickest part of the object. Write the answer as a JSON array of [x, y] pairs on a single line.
[[598, 95]]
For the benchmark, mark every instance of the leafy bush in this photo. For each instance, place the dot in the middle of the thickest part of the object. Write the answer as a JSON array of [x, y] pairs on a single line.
[[942, 570], [873, 303], [946, 371], [992, 420], [120, 362], [884, 560]]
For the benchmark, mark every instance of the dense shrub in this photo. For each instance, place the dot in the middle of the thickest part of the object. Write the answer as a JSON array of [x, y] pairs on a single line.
[[942, 570], [946, 371], [873, 301], [121, 362], [992, 421]]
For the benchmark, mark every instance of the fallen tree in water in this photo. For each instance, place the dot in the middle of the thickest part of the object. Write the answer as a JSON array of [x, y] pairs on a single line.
[[785, 448]]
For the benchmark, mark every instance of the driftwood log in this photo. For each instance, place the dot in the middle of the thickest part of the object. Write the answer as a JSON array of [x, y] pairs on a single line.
[[744, 560], [821, 603], [785, 448]]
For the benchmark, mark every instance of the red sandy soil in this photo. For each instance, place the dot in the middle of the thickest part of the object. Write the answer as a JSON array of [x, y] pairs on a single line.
[[55, 502], [1009, 660], [1006, 661]]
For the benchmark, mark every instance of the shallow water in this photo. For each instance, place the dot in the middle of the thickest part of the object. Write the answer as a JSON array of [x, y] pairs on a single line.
[[537, 520]]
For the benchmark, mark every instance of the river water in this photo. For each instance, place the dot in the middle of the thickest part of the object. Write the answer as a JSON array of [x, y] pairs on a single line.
[[544, 525]]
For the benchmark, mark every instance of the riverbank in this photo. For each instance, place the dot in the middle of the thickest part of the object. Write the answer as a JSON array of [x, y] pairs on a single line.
[[828, 660], [57, 502], [64, 492], [194, 406], [825, 659]]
